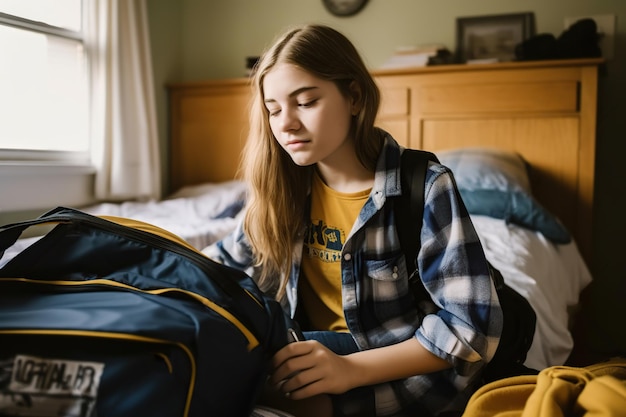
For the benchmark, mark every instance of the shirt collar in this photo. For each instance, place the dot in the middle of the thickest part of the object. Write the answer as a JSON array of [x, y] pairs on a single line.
[[387, 176]]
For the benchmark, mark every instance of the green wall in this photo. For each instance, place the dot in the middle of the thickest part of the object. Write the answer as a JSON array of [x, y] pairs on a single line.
[[202, 39]]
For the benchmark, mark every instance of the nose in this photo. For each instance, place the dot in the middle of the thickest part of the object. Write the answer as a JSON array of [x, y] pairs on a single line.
[[289, 120]]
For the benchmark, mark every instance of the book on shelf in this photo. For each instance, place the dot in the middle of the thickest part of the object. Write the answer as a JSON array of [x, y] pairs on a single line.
[[416, 56], [482, 61]]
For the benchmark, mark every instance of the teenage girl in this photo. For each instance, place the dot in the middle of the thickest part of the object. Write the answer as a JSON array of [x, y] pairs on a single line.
[[319, 234]]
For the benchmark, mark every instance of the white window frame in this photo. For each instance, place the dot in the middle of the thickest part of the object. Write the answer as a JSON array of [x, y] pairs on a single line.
[[42, 179]]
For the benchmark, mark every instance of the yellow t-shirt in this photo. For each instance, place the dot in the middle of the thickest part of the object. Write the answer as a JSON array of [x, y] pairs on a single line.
[[332, 216]]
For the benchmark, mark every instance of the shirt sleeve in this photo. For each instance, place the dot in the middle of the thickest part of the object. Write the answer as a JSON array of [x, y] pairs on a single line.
[[234, 251], [465, 326]]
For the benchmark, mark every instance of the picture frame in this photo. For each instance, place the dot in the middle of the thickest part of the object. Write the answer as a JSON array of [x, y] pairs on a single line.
[[492, 38]]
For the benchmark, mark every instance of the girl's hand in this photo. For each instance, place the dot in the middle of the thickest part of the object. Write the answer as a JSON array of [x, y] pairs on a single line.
[[308, 368], [305, 369]]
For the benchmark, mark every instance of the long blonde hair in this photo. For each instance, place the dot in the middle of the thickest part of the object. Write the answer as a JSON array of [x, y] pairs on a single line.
[[276, 207]]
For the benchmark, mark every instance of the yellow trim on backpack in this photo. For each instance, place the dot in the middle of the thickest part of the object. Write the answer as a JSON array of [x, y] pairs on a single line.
[[150, 228], [156, 230], [253, 342]]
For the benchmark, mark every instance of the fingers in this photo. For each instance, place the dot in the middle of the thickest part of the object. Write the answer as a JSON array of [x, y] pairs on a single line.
[[292, 359], [293, 349], [305, 391], [302, 384], [295, 369], [305, 369]]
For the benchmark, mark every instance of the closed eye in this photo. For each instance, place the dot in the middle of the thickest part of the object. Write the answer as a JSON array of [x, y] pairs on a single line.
[[308, 103], [273, 112]]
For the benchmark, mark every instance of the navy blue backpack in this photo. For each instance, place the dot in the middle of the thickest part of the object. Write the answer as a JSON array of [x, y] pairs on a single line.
[[114, 317]]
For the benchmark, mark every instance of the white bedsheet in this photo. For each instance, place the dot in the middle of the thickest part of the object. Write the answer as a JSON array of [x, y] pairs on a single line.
[[549, 276], [200, 214]]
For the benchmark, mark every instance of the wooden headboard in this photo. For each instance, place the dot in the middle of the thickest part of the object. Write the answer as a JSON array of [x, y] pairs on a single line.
[[545, 111]]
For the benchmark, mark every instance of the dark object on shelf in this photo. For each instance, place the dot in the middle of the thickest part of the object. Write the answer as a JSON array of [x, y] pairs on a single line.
[[542, 46], [251, 62], [443, 57], [580, 40]]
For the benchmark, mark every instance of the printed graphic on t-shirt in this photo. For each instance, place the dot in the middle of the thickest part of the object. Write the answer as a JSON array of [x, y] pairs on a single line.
[[324, 242]]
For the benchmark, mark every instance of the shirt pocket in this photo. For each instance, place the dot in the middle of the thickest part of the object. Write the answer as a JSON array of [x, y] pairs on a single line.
[[388, 301], [387, 277], [388, 269]]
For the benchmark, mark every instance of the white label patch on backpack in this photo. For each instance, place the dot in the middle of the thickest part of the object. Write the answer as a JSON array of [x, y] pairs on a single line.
[[47, 387]]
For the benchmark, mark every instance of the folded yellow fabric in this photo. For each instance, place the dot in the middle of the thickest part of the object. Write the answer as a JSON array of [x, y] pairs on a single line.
[[557, 390], [604, 396], [598, 390], [502, 398]]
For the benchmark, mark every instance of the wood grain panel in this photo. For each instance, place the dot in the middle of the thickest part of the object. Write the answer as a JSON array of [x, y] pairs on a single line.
[[394, 102], [398, 128], [497, 98], [209, 128]]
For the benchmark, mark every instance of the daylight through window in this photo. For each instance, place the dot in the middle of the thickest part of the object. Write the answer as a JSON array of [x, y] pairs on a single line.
[[43, 76]]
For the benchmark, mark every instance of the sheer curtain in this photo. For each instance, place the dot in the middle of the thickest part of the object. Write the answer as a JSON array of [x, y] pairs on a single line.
[[123, 127]]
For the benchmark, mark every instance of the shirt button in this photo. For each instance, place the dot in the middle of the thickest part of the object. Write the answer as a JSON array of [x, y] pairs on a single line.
[[347, 256], [394, 275]]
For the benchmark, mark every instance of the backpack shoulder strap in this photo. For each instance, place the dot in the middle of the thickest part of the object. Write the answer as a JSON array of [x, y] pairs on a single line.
[[519, 316], [409, 208]]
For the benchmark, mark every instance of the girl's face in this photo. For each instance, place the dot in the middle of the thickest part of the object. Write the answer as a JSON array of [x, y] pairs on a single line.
[[309, 117]]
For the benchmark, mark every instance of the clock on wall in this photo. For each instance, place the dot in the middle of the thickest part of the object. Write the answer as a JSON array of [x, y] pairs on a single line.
[[344, 7]]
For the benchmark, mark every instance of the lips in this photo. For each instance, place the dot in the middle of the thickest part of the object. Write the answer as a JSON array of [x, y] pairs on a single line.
[[297, 141], [294, 144]]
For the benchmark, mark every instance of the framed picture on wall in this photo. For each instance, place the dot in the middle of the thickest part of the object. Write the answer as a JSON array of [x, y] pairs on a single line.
[[492, 38]]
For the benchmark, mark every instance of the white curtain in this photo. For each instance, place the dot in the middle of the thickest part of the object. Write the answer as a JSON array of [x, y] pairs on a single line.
[[123, 126]]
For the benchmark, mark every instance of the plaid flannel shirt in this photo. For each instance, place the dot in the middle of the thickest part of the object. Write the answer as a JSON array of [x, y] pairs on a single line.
[[460, 321]]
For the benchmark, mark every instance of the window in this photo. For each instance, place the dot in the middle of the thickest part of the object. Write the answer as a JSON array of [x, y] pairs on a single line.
[[44, 105]]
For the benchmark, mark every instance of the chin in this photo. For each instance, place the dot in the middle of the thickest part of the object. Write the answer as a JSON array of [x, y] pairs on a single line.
[[302, 162]]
